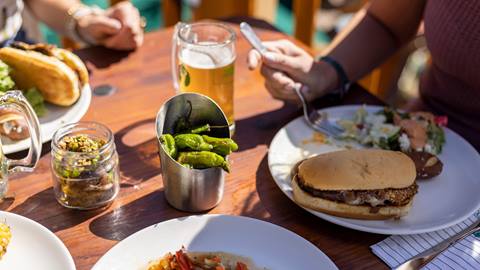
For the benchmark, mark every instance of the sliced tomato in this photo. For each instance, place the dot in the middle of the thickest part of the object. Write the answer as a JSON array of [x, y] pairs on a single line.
[[219, 267], [441, 120], [216, 259], [183, 261], [241, 266]]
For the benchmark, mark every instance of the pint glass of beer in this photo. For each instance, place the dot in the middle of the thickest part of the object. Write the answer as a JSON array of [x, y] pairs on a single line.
[[203, 60]]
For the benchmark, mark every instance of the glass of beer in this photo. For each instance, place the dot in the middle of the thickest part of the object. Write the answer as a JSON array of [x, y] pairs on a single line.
[[203, 60]]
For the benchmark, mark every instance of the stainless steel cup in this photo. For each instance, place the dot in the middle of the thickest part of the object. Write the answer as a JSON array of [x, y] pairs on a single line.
[[191, 189]]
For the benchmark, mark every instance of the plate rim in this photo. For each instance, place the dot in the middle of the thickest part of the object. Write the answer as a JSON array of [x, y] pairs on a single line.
[[206, 217], [53, 236], [344, 221], [86, 96]]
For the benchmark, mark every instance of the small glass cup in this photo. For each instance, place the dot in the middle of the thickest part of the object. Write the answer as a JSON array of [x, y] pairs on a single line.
[[85, 180]]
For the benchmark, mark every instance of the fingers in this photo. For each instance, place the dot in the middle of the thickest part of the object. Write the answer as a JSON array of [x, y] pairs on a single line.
[[283, 62], [106, 26], [279, 84], [131, 34], [283, 46], [253, 59]]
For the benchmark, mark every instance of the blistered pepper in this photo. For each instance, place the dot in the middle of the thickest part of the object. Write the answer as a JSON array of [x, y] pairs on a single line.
[[200, 129], [221, 146], [192, 142], [203, 160], [170, 147]]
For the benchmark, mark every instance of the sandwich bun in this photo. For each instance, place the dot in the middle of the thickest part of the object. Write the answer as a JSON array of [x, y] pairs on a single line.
[[346, 210], [58, 75], [354, 170], [360, 169]]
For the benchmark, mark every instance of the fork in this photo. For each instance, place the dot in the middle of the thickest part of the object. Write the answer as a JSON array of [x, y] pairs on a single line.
[[317, 120]]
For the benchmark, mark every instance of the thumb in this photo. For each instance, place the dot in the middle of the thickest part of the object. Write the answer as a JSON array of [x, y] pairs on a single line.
[[282, 62], [106, 26]]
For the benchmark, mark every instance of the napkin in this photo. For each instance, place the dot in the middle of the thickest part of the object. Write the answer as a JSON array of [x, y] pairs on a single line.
[[465, 254]]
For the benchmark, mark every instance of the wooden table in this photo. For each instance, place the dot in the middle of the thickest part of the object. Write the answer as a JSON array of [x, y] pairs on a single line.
[[143, 81]]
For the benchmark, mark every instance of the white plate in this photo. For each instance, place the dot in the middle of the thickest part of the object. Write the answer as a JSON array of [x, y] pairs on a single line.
[[441, 202], [268, 245], [55, 118], [33, 247]]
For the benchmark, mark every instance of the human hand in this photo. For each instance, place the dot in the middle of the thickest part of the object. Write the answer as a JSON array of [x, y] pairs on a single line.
[[285, 66], [119, 27]]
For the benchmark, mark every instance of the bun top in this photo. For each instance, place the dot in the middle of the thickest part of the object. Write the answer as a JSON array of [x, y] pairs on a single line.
[[358, 170], [58, 83]]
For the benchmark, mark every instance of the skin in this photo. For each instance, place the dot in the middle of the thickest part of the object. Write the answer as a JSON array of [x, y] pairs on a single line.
[[119, 27], [374, 34]]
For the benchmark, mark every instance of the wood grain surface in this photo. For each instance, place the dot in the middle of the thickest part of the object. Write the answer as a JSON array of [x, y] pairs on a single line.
[[143, 82]]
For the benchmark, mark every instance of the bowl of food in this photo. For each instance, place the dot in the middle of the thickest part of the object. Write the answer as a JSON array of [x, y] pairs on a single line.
[[194, 144]]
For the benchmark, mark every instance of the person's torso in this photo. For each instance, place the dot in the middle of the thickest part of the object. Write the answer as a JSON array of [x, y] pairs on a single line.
[[451, 86], [10, 18]]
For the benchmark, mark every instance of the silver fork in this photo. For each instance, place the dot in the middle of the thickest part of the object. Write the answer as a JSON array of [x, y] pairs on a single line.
[[318, 121]]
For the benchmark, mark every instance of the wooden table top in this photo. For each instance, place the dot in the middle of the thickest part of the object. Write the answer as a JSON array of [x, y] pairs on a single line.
[[143, 79]]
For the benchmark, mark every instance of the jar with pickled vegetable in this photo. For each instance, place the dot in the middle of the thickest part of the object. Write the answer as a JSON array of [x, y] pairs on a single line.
[[85, 166]]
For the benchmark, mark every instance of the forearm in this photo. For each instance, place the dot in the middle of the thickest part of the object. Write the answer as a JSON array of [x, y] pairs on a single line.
[[366, 47], [54, 13], [375, 34]]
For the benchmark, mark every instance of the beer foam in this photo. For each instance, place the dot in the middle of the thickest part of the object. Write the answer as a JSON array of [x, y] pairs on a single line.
[[206, 57]]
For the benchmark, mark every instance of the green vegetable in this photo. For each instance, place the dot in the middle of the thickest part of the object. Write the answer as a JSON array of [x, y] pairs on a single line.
[[360, 114], [200, 129], [6, 82], [192, 142], [221, 146], [35, 99], [33, 96], [168, 142], [181, 125], [436, 137], [202, 160]]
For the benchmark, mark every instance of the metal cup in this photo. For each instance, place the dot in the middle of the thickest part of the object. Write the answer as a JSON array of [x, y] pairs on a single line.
[[191, 189]]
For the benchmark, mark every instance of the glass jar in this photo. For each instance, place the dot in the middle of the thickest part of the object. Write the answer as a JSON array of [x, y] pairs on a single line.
[[85, 166]]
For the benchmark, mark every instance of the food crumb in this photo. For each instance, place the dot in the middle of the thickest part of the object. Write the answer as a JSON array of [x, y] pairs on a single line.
[[317, 137]]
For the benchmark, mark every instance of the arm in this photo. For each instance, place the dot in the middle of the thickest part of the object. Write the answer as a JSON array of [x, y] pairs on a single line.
[[119, 27], [375, 33], [54, 13]]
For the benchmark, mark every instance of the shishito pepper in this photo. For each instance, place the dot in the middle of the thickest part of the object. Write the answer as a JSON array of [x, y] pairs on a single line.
[[168, 142], [192, 142], [221, 146], [203, 160], [200, 129]]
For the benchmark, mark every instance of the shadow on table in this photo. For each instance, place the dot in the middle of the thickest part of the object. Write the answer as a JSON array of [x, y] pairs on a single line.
[[260, 129], [43, 208], [289, 215], [101, 57], [130, 218], [143, 161]]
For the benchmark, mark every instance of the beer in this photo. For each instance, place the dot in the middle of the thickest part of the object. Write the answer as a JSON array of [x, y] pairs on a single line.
[[209, 72]]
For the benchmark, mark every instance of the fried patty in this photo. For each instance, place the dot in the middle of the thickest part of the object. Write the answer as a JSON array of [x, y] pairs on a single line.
[[374, 197]]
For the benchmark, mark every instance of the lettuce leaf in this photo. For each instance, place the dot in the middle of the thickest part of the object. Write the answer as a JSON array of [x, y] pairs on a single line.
[[35, 98], [6, 83]]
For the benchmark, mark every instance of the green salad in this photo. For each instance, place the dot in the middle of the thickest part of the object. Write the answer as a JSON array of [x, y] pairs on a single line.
[[391, 129], [33, 96]]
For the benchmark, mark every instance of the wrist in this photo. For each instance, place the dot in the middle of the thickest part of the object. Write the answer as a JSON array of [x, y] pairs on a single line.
[[325, 80], [77, 23]]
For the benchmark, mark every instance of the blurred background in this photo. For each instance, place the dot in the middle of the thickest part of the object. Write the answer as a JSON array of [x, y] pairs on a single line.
[[314, 22]]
